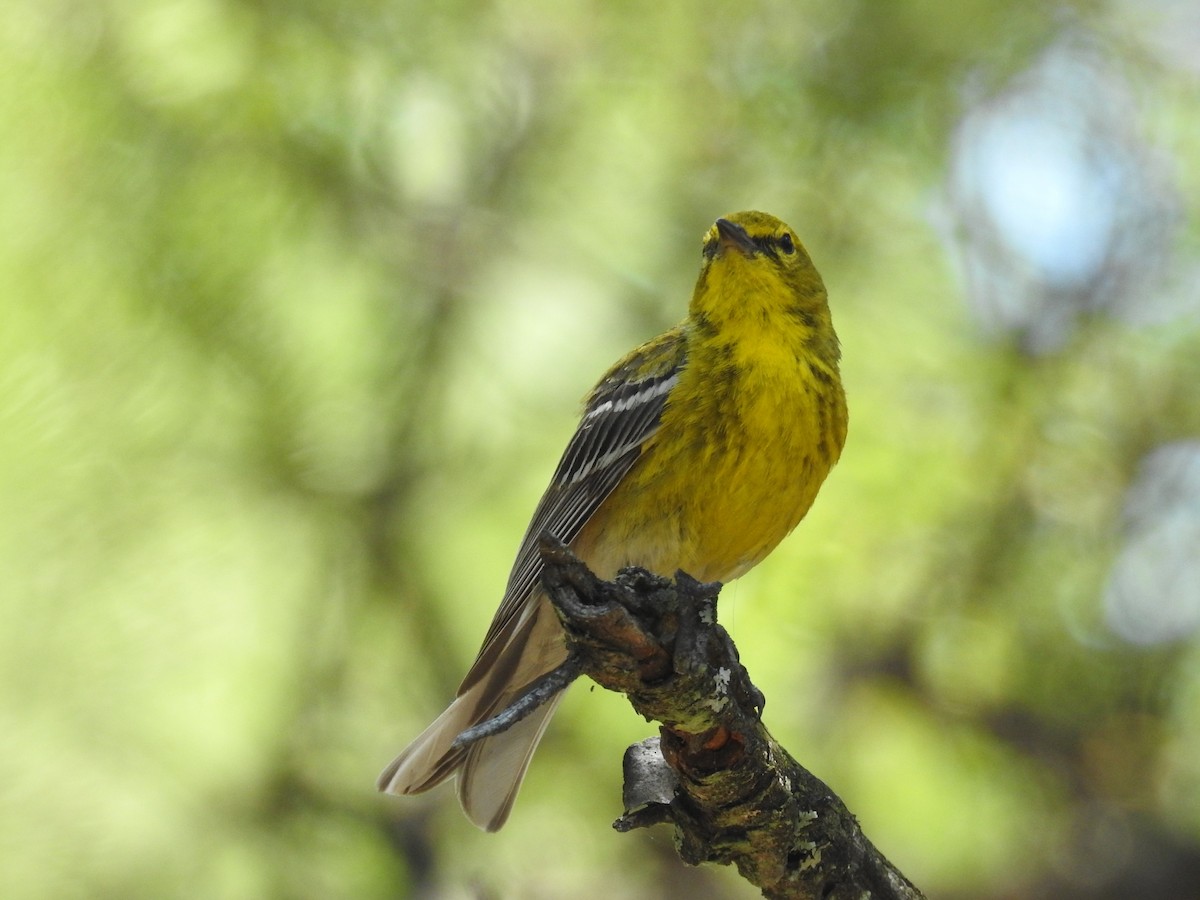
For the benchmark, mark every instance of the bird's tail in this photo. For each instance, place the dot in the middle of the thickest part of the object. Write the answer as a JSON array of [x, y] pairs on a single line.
[[490, 771]]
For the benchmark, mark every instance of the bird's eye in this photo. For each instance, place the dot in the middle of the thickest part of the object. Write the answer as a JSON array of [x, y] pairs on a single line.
[[785, 243]]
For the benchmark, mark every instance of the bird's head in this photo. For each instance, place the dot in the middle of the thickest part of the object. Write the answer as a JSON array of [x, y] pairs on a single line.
[[755, 269]]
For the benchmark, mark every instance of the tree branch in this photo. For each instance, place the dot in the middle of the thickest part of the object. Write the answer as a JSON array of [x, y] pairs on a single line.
[[733, 794]]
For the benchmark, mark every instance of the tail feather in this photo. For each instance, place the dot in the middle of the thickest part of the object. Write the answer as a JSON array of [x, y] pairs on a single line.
[[494, 768], [428, 760], [490, 771]]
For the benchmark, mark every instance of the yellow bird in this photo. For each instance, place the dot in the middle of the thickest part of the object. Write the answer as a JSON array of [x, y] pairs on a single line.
[[700, 450]]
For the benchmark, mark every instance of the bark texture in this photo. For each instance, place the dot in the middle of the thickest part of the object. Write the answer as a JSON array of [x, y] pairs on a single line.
[[733, 795]]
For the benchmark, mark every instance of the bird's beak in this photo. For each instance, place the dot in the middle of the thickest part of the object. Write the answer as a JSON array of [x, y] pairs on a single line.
[[734, 237]]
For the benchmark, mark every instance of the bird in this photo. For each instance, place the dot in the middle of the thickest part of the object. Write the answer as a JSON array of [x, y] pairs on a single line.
[[699, 451]]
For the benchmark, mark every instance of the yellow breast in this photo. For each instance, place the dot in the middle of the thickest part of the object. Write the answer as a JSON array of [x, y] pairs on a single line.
[[746, 441]]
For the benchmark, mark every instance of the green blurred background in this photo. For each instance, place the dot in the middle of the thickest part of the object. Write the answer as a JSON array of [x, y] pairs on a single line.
[[299, 299]]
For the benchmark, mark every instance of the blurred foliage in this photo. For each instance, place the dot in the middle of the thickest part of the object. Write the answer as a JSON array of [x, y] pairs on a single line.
[[298, 300]]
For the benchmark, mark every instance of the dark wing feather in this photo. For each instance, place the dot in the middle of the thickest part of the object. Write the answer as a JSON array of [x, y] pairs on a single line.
[[620, 415]]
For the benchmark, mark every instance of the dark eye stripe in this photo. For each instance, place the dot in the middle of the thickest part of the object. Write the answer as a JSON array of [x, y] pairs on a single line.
[[768, 244], [773, 245]]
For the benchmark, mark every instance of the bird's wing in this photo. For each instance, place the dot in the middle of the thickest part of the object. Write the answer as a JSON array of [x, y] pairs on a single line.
[[620, 415]]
